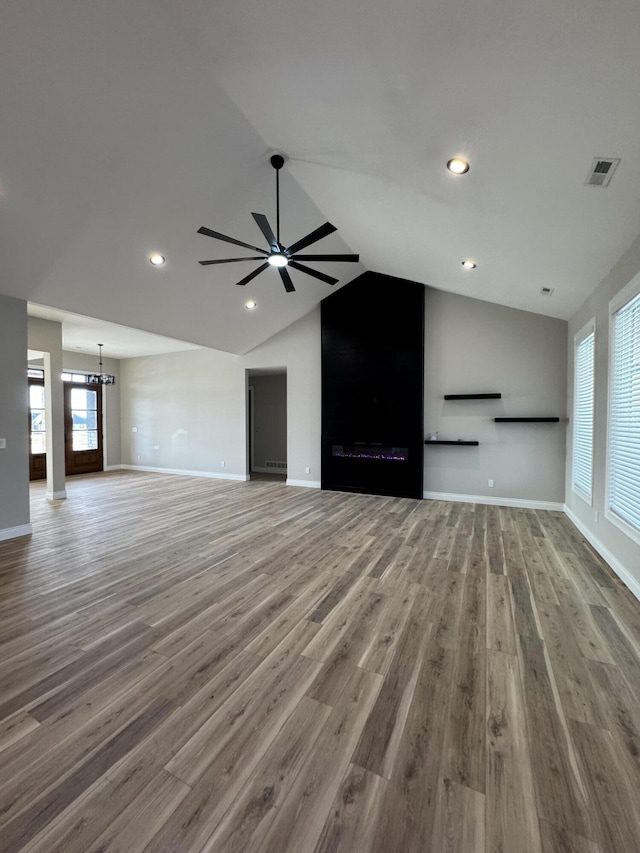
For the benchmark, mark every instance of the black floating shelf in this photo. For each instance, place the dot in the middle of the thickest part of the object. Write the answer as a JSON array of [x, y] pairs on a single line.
[[463, 443], [526, 420], [472, 396]]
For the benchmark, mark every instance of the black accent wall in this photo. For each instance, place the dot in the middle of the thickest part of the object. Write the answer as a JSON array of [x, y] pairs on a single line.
[[372, 387]]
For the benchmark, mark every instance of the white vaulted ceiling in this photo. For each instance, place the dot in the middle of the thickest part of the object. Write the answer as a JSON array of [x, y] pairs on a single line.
[[127, 125]]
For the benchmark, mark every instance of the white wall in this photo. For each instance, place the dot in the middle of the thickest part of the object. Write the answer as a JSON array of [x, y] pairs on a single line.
[[14, 458], [189, 408], [479, 347], [269, 420], [188, 412], [619, 550]]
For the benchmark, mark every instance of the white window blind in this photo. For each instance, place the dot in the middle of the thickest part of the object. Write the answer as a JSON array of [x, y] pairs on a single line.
[[624, 414], [583, 414]]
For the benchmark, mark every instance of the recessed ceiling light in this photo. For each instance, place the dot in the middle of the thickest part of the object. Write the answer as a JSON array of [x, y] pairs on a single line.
[[468, 265], [458, 166], [156, 259], [250, 304], [278, 259]]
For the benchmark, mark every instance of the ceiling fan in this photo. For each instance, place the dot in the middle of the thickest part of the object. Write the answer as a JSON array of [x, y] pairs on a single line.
[[278, 255]]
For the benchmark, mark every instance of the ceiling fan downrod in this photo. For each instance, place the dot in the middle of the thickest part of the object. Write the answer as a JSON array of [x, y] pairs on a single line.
[[277, 161]]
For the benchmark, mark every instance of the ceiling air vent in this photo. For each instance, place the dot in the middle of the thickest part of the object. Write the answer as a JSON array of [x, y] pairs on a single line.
[[601, 171], [547, 291]]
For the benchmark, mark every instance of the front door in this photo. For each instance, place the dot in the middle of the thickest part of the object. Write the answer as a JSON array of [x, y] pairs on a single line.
[[37, 431], [82, 428]]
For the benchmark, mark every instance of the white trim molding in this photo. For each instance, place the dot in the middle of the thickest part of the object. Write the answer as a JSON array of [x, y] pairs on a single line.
[[56, 496], [215, 475], [308, 484], [623, 573], [621, 524], [305, 484], [484, 499], [16, 532]]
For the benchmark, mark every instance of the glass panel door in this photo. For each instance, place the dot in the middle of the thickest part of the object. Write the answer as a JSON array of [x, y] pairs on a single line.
[[83, 428], [37, 431]]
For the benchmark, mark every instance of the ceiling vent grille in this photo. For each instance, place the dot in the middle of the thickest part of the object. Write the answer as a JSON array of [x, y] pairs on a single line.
[[547, 291], [601, 171]]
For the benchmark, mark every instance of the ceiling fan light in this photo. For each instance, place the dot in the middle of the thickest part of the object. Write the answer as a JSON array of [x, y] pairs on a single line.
[[458, 166], [278, 259]]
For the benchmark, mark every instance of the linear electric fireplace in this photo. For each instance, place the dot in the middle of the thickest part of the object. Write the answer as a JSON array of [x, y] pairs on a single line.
[[372, 469], [372, 387], [370, 451]]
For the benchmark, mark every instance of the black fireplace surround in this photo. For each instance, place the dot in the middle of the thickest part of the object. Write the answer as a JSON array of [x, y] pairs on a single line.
[[372, 387]]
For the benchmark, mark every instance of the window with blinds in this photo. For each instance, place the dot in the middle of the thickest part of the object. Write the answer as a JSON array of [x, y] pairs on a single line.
[[583, 412], [624, 414]]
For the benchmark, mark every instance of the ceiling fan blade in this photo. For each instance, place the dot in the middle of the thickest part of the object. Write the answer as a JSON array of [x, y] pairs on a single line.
[[252, 275], [229, 261], [216, 235], [318, 234], [263, 225], [326, 278], [352, 259], [286, 279]]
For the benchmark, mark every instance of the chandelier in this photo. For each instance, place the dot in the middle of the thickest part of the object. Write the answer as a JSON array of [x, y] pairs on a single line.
[[101, 378]]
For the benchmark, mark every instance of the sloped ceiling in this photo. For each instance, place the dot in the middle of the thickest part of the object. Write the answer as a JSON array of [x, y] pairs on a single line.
[[127, 125]]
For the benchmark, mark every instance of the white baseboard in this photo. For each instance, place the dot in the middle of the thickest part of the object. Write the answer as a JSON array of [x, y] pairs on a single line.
[[483, 499], [623, 573], [211, 474], [309, 484], [15, 532], [113, 468], [305, 484], [56, 496]]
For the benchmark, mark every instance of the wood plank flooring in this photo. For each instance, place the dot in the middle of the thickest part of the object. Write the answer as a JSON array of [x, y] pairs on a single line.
[[194, 665]]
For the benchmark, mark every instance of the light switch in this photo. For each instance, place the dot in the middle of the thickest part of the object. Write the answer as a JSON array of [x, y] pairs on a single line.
[[3, 443]]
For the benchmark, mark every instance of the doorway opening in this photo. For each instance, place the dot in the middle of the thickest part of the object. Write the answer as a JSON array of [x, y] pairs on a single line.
[[267, 424]]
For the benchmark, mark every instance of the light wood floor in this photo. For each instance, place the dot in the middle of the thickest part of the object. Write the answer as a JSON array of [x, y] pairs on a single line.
[[196, 665]]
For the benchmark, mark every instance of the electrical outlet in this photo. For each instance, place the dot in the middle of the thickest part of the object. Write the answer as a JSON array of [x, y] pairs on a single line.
[[491, 484], [134, 429], [139, 458], [3, 443], [222, 464], [597, 516], [307, 470]]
